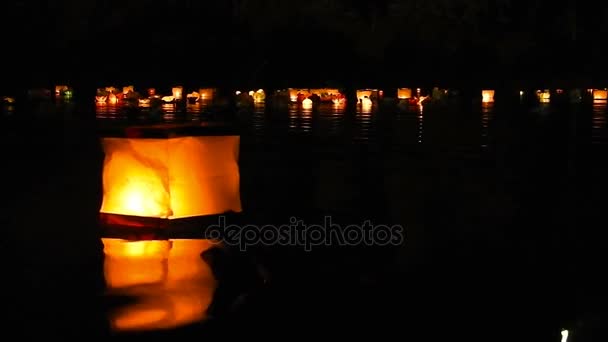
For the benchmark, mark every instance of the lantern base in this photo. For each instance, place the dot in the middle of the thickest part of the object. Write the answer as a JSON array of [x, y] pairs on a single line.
[[150, 228]]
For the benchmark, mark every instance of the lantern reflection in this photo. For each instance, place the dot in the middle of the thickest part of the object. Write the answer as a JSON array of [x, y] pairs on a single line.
[[172, 283]]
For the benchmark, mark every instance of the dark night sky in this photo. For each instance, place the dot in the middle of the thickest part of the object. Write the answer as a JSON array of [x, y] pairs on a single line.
[[278, 42]]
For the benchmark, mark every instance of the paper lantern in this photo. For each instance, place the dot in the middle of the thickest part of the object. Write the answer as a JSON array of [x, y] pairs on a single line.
[[101, 99], [259, 96], [544, 95], [113, 99], [600, 95], [298, 95], [156, 176], [361, 94], [177, 92], [174, 286], [206, 93], [404, 93], [128, 89], [307, 103], [487, 96], [60, 90]]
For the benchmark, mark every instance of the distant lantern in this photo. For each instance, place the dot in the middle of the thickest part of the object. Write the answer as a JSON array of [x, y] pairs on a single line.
[[366, 102], [363, 93], [404, 93], [128, 89], [173, 284], [259, 96], [544, 95], [152, 92], [167, 173], [206, 93], [307, 103], [177, 92], [600, 95], [60, 90], [112, 98], [487, 96]]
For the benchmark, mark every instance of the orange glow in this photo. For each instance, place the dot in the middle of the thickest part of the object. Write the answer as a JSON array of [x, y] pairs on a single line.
[[404, 93], [177, 92], [600, 95], [60, 89], [487, 96], [171, 178], [101, 99], [172, 283]]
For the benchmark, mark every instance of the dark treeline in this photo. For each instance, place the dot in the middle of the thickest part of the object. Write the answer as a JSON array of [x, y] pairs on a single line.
[[278, 43]]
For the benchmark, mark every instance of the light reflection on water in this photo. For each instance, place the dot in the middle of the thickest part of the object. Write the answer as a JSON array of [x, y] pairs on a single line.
[[487, 113], [169, 280], [405, 125], [599, 134]]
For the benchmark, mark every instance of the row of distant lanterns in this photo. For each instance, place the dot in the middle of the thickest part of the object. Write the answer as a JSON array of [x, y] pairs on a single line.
[[365, 97], [544, 96]]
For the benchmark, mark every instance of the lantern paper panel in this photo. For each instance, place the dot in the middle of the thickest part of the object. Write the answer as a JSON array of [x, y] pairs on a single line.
[[177, 92], [206, 93], [171, 178], [600, 95], [173, 284], [487, 96], [296, 94], [361, 94], [544, 95], [404, 93], [259, 96]]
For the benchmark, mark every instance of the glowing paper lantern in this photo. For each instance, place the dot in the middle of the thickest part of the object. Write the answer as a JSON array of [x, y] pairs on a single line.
[[259, 96], [127, 89], [177, 92], [206, 93], [487, 96], [544, 96], [101, 99], [404, 93], [173, 284], [361, 94], [366, 103], [600, 95], [169, 172], [113, 99], [307, 103]]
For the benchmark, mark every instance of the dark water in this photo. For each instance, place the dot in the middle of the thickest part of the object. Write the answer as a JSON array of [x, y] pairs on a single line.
[[502, 204]]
